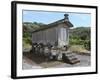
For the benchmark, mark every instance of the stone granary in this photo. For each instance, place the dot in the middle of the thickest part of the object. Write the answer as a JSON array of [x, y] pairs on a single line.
[[52, 41], [56, 33]]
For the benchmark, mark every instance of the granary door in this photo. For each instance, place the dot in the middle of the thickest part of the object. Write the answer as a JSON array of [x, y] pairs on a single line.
[[62, 37]]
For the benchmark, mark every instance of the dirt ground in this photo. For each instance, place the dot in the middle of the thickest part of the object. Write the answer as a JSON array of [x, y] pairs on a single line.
[[31, 61]]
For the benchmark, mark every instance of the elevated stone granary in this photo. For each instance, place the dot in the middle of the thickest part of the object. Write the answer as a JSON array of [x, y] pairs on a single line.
[[56, 33]]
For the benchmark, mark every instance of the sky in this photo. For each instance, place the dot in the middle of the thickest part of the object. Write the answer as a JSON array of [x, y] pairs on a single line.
[[77, 19]]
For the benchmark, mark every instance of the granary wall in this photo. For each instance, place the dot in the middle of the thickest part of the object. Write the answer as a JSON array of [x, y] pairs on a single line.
[[58, 34], [44, 36]]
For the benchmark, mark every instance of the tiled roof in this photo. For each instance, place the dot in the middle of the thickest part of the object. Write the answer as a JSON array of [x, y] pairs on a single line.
[[51, 25]]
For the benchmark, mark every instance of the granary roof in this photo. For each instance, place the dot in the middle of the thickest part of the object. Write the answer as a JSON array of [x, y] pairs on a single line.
[[51, 25]]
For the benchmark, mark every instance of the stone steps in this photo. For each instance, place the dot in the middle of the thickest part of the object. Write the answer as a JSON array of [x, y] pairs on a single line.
[[70, 58]]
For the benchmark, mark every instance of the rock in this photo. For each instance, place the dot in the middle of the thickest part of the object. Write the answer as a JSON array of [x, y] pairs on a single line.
[[59, 57]]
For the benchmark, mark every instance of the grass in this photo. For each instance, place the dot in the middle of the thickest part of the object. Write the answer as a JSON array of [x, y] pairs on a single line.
[[78, 49], [26, 46]]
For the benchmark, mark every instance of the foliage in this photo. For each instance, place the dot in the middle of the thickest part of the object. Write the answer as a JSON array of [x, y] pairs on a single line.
[[80, 36], [28, 27]]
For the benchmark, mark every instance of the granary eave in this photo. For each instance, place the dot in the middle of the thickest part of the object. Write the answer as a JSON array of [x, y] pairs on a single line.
[[67, 22], [51, 25]]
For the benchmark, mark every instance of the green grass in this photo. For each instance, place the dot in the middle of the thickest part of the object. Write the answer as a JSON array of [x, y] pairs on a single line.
[[26, 46]]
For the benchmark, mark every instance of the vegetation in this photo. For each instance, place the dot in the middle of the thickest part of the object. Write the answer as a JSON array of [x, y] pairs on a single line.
[[80, 36], [78, 49], [28, 27]]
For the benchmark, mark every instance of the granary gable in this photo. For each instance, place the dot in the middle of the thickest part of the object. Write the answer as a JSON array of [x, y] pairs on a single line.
[[54, 24]]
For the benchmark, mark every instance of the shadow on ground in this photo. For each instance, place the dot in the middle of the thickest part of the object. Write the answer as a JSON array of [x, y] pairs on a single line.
[[40, 60], [36, 58]]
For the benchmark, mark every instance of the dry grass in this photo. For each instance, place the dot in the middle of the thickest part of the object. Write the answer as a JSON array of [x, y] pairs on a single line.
[[79, 49]]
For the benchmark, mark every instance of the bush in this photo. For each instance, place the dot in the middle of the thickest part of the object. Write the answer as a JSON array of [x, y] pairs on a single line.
[[76, 42], [85, 43]]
